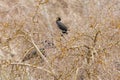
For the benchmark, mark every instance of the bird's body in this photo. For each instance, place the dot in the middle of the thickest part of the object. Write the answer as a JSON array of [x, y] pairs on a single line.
[[61, 25], [33, 54]]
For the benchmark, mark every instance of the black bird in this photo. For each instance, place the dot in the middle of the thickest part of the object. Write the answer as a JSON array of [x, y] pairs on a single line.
[[61, 25]]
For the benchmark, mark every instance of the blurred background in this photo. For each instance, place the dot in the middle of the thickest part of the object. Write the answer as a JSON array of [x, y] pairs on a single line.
[[32, 48]]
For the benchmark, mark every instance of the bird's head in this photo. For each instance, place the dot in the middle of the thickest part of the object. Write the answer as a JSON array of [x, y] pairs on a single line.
[[58, 19]]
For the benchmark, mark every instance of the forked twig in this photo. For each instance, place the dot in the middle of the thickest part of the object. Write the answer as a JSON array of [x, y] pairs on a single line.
[[44, 58]]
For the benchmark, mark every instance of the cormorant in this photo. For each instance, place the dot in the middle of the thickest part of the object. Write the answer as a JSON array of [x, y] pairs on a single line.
[[61, 25]]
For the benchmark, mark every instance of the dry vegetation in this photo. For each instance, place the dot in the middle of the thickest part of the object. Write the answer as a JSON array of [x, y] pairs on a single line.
[[32, 48]]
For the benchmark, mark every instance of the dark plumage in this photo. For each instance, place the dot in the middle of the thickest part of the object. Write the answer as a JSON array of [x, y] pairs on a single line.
[[61, 25]]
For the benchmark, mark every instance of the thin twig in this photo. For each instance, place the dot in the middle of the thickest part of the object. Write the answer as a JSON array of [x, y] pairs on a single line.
[[27, 52], [95, 38], [76, 74], [24, 64]]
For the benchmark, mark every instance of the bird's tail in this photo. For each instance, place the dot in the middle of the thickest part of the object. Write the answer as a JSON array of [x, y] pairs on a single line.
[[64, 32]]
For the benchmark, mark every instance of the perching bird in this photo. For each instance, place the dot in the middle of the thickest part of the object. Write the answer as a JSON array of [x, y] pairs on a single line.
[[32, 54], [61, 25]]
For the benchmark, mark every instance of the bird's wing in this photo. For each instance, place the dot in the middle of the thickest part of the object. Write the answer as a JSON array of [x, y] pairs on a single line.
[[61, 24]]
